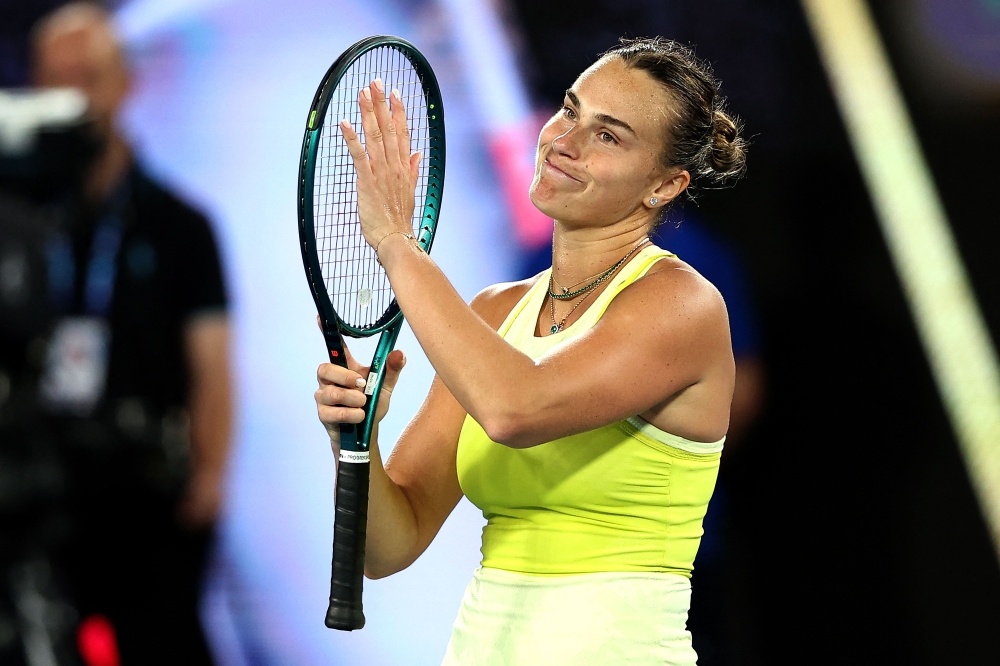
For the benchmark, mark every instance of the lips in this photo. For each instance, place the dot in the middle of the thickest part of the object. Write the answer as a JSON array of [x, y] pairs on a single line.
[[560, 171]]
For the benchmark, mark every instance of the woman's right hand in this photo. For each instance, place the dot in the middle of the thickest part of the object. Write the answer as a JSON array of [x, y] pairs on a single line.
[[341, 396]]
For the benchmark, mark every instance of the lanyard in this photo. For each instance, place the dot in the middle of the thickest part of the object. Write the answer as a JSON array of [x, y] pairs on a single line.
[[102, 269]]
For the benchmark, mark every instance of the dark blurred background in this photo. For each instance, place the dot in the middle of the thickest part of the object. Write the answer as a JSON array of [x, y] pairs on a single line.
[[848, 531]]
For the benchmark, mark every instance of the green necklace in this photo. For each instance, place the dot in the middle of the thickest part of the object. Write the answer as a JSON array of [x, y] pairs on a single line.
[[567, 294], [558, 325]]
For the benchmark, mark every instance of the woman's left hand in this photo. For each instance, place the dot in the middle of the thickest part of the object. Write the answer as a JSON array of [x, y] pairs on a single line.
[[387, 172]]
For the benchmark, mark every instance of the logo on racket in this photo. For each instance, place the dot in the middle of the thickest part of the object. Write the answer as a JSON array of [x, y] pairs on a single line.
[[364, 297]]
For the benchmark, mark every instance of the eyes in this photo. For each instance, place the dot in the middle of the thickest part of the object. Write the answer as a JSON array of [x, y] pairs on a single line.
[[603, 136]]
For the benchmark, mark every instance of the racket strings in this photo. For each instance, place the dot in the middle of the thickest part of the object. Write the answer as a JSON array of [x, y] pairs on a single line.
[[358, 287]]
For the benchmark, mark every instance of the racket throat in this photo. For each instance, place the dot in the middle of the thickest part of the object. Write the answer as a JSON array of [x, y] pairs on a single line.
[[373, 385]]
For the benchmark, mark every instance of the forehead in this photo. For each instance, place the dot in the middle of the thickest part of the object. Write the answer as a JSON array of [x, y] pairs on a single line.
[[626, 93], [81, 48]]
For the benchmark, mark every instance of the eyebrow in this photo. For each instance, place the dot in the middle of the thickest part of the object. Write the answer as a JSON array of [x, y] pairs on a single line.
[[602, 117]]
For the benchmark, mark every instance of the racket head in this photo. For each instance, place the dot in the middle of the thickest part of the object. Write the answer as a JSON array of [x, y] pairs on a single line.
[[349, 286]]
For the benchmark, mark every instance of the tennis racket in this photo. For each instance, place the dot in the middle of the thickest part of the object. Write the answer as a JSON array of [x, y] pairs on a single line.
[[350, 288]]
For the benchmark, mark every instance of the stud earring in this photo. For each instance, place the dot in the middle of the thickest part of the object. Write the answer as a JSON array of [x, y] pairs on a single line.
[[653, 201]]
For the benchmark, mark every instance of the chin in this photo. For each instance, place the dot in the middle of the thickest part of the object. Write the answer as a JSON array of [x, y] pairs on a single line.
[[548, 202]]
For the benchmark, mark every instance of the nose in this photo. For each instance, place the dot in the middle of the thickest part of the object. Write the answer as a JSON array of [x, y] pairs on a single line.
[[567, 143]]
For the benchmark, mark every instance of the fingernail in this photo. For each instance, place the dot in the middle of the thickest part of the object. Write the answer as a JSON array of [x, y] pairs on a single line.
[[378, 84], [367, 93], [395, 93], [360, 383]]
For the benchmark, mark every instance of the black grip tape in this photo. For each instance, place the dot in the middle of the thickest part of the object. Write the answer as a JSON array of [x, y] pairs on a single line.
[[349, 528]]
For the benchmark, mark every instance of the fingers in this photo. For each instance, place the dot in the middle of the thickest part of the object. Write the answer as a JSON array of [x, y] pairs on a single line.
[[387, 173], [358, 154], [396, 360], [340, 395], [398, 110], [386, 133], [415, 160], [394, 364], [332, 374], [391, 128], [374, 138], [340, 405], [386, 122]]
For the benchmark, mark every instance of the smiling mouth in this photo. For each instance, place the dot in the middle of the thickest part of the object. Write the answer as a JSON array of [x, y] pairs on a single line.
[[555, 168]]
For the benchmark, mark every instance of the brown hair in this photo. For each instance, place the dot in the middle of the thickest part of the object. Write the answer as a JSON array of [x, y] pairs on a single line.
[[703, 138]]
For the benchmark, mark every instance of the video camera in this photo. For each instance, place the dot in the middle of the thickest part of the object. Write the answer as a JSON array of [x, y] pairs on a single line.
[[45, 148]]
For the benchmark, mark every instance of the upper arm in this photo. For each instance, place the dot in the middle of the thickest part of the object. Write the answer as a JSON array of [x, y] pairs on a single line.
[[198, 288], [423, 466], [423, 462], [210, 391], [199, 281], [206, 343], [661, 335]]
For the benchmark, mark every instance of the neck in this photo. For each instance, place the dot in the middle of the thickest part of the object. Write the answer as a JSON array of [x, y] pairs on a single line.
[[107, 169], [580, 253]]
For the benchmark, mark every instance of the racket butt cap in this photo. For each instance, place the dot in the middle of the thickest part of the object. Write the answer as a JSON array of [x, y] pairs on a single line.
[[344, 617]]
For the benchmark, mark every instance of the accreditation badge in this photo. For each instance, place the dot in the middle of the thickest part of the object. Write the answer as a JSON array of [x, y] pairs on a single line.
[[76, 365]]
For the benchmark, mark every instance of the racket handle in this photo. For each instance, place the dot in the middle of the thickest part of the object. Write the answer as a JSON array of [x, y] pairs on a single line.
[[349, 529]]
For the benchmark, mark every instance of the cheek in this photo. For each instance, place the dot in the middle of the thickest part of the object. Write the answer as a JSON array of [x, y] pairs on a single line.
[[549, 132], [617, 182]]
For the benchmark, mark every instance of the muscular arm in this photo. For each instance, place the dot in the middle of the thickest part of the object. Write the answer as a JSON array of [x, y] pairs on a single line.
[[412, 496], [206, 341], [659, 336]]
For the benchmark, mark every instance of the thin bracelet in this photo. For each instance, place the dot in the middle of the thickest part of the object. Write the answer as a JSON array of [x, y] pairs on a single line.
[[392, 233]]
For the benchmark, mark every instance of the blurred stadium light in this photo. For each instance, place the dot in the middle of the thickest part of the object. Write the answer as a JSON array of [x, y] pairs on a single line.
[[506, 114], [948, 320]]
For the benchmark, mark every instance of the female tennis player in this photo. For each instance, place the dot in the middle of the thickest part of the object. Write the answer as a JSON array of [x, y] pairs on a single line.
[[583, 410]]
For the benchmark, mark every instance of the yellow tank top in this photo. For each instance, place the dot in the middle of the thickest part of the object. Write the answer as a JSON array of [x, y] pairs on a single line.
[[624, 497]]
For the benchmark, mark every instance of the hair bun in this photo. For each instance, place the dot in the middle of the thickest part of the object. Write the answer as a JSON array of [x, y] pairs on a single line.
[[702, 138], [728, 150]]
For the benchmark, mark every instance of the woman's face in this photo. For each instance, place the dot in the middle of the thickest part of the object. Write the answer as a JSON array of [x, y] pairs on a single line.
[[598, 159]]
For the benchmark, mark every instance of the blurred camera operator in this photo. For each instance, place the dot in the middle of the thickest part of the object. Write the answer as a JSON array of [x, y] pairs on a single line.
[[137, 372]]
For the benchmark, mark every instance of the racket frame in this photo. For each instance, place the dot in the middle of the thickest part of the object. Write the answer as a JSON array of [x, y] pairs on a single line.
[[345, 611]]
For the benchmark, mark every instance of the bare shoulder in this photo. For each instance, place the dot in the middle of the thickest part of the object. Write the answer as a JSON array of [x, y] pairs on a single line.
[[495, 302], [673, 292]]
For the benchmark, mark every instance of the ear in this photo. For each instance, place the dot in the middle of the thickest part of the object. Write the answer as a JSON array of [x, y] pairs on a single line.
[[671, 187]]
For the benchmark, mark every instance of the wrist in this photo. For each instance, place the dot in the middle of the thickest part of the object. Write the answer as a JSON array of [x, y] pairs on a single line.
[[398, 232], [394, 244]]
